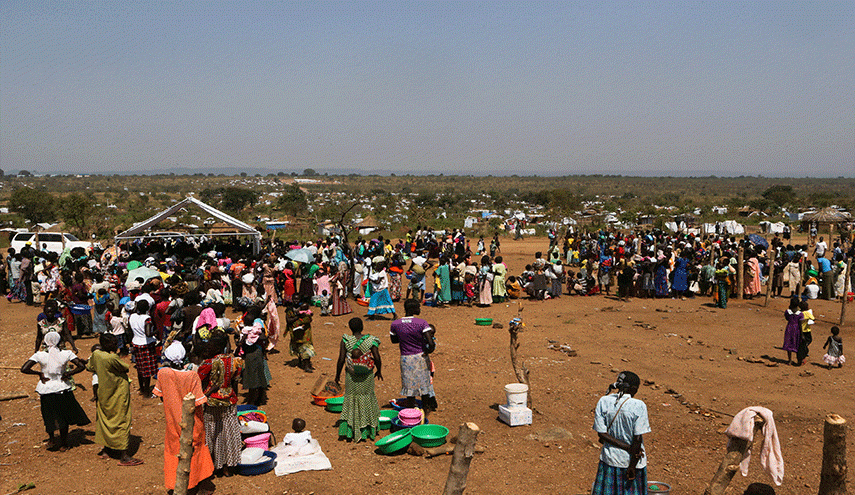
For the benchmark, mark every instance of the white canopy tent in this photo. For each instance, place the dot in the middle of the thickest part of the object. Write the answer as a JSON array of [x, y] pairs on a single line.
[[139, 229]]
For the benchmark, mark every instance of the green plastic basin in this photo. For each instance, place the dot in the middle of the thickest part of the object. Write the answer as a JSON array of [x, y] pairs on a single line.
[[394, 442], [386, 418], [429, 435], [335, 404]]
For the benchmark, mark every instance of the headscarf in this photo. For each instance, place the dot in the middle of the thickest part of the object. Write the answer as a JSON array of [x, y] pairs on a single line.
[[206, 318], [55, 363], [174, 354]]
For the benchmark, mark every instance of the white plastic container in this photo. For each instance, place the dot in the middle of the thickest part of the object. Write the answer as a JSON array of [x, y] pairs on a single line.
[[517, 394], [515, 416]]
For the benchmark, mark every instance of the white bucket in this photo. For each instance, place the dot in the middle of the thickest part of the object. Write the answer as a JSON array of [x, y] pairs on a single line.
[[517, 394]]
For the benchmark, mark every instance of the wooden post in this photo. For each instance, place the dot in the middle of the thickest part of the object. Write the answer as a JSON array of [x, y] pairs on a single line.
[[736, 448], [185, 452], [740, 272], [519, 367], [455, 484], [770, 282], [847, 275], [833, 478]]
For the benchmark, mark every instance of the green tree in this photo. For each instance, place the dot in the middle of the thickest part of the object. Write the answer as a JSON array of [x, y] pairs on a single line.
[[35, 206], [309, 172], [293, 200], [780, 195], [235, 199], [76, 209]]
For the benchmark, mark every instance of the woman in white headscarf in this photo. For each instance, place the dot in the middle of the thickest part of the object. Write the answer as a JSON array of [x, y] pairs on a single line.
[[174, 382], [59, 407]]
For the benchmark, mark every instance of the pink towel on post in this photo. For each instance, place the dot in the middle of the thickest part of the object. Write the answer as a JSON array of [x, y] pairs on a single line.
[[771, 459]]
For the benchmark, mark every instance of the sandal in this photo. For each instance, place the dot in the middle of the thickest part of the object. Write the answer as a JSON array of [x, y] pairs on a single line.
[[131, 462]]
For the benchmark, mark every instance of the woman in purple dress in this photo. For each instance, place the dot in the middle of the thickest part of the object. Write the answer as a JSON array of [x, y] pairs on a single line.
[[793, 332]]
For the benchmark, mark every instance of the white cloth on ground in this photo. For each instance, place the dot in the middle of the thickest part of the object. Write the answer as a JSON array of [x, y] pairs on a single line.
[[288, 464], [742, 427]]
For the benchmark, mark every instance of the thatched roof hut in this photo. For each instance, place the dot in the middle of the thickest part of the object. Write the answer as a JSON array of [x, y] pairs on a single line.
[[826, 216]]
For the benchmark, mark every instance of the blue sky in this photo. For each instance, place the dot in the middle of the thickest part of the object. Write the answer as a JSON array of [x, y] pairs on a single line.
[[547, 88]]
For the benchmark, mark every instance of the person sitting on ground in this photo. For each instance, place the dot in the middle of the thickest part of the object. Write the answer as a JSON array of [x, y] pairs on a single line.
[[298, 442], [513, 287]]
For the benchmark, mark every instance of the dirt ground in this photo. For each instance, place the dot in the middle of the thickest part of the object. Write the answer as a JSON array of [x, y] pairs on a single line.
[[696, 356]]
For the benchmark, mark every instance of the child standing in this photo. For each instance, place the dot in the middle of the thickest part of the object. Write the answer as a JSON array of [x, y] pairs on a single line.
[[834, 356], [807, 337]]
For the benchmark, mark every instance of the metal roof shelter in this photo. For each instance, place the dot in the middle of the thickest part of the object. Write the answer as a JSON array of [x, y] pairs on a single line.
[[139, 229]]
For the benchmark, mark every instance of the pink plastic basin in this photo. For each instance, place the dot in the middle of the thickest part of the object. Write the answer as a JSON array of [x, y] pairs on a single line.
[[258, 441], [410, 417]]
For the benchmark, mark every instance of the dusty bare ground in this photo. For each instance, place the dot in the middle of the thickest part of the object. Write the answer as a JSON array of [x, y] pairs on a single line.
[[694, 354]]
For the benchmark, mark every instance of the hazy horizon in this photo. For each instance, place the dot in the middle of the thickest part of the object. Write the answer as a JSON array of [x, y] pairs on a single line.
[[458, 88]]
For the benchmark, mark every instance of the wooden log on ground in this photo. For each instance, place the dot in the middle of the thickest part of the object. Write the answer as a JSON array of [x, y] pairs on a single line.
[[455, 484], [740, 273], [847, 286], [833, 476], [13, 396], [185, 452], [736, 448], [445, 449]]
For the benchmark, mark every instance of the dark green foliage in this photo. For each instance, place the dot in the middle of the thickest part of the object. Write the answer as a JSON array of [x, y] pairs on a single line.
[[781, 195], [230, 199], [293, 201], [35, 205]]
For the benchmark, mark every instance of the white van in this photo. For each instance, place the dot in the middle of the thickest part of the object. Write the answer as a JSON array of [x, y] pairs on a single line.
[[48, 241]]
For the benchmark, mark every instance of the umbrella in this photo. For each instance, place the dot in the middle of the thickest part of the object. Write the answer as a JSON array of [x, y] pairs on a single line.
[[759, 240], [143, 272], [301, 255], [133, 265]]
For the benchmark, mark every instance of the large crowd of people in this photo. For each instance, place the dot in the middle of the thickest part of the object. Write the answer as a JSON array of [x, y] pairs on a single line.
[[164, 302]]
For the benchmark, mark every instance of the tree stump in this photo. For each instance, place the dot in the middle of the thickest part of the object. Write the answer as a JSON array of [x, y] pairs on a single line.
[[832, 480], [185, 452], [464, 450], [514, 329], [736, 448]]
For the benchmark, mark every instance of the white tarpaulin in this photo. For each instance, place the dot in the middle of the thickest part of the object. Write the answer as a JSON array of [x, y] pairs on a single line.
[[139, 229], [672, 226], [732, 227], [772, 228]]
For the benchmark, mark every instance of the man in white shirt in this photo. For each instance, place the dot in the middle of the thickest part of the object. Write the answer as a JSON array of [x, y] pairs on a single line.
[[620, 421], [821, 248]]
